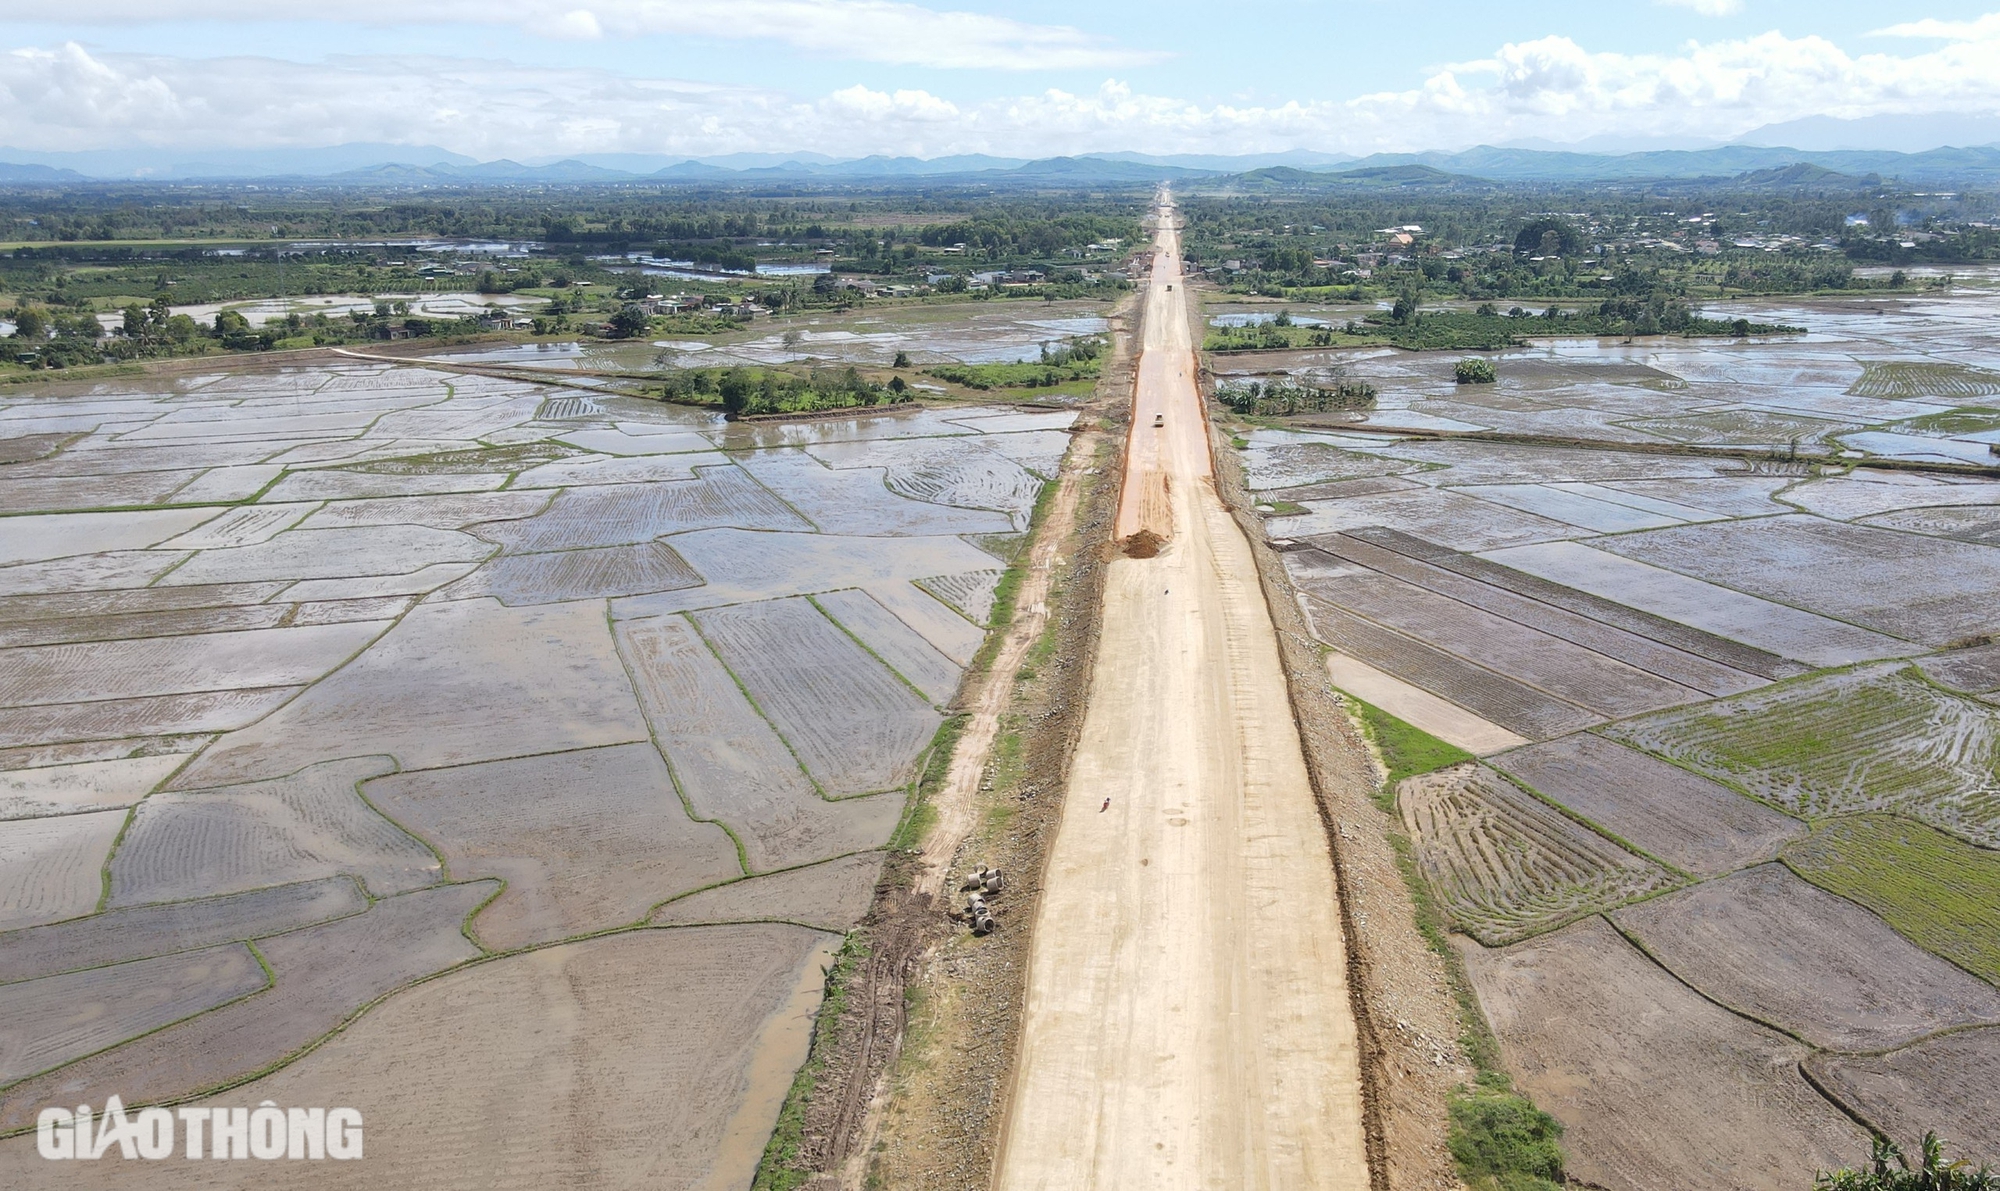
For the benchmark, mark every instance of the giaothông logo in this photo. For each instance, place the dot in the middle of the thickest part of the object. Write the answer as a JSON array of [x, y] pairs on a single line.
[[266, 1131]]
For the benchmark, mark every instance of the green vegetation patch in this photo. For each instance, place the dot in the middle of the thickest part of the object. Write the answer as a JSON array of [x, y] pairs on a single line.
[[1889, 1169], [1407, 750], [1877, 738], [1967, 419], [1283, 398], [782, 1168], [1906, 379], [1939, 892], [1076, 360], [1501, 1141], [778, 390], [1473, 371], [1486, 329]]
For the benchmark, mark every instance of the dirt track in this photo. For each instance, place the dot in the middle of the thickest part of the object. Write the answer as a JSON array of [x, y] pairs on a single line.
[[1187, 1020]]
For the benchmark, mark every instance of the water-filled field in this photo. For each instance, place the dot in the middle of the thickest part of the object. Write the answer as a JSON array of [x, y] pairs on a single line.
[[322, 682], [1737, 698]]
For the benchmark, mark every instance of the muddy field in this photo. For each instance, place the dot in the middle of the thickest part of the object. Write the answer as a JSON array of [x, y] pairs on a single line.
[[323, 682], [1504, 866], [1660, 1089], [1735, 698]]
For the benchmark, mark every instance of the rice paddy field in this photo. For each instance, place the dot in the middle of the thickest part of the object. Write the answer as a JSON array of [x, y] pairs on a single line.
[[967, 332], [1732, 696], [388, 736]]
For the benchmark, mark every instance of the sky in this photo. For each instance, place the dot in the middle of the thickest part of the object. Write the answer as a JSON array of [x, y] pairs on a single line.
[[540, 79]]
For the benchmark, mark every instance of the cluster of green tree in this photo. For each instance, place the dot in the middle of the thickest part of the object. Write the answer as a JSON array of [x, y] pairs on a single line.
[[1073, 360], [749, 391], [1474, 370], [711, 255], [1280, 333], [44, 339], [191, 278], [1957, 246], [1775, 273], [1487, 329], [1282, 398], [1508, 242], [1036, 228], [693, 324]]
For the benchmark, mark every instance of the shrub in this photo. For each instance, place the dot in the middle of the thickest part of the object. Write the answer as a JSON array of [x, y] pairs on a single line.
[[1502, 1141], [1473, 371], [1933, 1173]]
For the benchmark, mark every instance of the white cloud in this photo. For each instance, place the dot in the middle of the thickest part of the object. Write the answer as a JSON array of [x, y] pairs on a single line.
[[1986, 28], [1551, 88], [579, 25], [1708, 8], [864, 30]]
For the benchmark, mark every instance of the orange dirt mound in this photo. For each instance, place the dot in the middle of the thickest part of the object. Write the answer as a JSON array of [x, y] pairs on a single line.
[[1144, 544]]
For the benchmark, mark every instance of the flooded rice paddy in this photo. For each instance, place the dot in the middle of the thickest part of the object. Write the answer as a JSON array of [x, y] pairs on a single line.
[[1724, 643], [372, 672], [964, 333]]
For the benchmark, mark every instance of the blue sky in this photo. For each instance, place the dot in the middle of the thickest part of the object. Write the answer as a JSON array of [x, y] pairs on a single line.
[[534, 78]]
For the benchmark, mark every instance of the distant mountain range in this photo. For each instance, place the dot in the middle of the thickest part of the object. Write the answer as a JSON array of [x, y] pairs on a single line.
[[425, 165]]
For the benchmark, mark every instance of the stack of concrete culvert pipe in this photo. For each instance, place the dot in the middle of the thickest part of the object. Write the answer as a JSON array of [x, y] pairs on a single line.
[[976, 885], [983, 879]]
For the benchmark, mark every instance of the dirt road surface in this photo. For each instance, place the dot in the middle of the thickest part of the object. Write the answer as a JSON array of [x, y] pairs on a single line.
[[1187, 1020]]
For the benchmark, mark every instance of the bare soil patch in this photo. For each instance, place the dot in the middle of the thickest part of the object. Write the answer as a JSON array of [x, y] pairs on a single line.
[[151, 715], [1689, 822], [1548, 663], [627, 514], [730, 765], [50, 869], [1908, 585], [1687, 638], [855, 726], [89, 672], [467, 680], [83, 786], [916, 660], [47, 1022], [518, 580], [1513, 705], [1641, 652], [1659, 1089], [1937, 1084], [1975, 670], [1781, 951], [1713, 607]]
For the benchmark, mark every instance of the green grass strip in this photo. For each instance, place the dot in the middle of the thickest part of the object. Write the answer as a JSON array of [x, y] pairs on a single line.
[[779, 1169], [1407, 750]]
